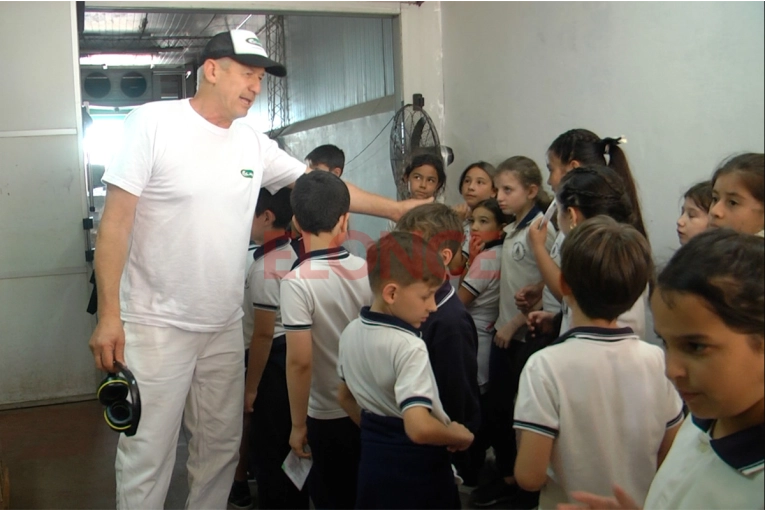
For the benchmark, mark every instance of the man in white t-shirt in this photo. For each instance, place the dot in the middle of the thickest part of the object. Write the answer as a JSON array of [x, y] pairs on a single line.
[[170, 261]]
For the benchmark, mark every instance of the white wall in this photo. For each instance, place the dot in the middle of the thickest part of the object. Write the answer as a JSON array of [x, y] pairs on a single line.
[[369, 170], [682, 81], [44, 287]]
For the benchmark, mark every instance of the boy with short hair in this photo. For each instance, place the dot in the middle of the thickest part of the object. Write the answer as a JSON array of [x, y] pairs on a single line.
[[266, 387], [449, 332], [385, 370], [319, 298], [328, 158], [595, 407]]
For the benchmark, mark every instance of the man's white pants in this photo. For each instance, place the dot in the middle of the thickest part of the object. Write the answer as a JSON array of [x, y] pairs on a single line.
[[203, 375]]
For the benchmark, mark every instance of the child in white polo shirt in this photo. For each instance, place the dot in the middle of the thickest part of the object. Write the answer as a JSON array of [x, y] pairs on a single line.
[[319, 298], [450, 333], [708, 308], [389, 387], [595, 406], [519, 193], [265, 394]]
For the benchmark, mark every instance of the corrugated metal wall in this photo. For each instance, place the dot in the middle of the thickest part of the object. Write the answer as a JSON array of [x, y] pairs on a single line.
[[337, 62]]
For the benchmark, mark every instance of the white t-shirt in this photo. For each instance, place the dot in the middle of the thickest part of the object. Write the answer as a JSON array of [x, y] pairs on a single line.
[[634, 318], [519, 266], [549, 302], [197, 185], [323, 294], [482, 281], [271, 262], [701, 472], [385, 364], [603, 397]]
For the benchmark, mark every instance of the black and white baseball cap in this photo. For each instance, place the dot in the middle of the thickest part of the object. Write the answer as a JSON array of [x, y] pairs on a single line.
[[244, 47]]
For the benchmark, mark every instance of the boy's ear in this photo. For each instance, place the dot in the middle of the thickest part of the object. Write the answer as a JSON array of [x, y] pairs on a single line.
[[268, 218], [564, 288], [575, 164], [447, 256], [389, 292], [344, 221], [337, 171], [297, 225]]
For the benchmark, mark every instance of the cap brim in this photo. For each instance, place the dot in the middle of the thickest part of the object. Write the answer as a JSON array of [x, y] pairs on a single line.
[[270, 66]]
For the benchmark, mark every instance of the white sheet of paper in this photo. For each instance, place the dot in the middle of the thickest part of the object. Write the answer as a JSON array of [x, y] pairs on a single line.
[[548, 214], [297, 469]]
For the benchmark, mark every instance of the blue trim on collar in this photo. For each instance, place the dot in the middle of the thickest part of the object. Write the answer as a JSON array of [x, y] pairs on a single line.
[[383, 319], [270, 246], [744, 451], [529, 217], [492, 244], [596, 333], [336, 253]]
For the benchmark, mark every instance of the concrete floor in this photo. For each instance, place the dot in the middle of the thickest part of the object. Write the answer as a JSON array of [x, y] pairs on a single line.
[[62, 457]]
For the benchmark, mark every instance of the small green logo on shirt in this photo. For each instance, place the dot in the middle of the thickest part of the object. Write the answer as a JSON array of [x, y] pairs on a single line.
[[247, 173]]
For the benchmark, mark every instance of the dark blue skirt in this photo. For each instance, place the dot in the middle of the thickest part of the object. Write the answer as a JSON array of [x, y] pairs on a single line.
[[394, 472]]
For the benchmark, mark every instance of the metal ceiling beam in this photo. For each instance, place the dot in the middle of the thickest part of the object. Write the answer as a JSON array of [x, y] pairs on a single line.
[[129, 51], [265, 7]]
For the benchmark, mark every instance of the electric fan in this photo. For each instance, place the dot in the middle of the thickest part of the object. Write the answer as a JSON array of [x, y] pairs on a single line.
[[413, 133]]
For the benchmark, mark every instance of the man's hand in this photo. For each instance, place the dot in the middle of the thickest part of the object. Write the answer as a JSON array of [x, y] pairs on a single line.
[[299, 440], [465, 437], [529, 296], [407, 205], [108, 343]]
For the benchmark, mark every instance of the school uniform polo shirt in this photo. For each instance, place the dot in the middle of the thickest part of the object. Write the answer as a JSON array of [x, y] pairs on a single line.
[[519, 266], [324, 293], [270, 263], [549, 302], [482, 281], [385, 364], [701, 472], [602, 396]]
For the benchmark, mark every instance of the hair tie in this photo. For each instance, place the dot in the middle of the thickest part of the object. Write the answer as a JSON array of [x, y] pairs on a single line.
[[612, 141]]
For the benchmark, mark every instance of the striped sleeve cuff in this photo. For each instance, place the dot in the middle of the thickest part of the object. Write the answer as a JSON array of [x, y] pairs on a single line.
[[470, 289], [297, 327], [265, 308], [674, 421], [536, 428], [416, 402]]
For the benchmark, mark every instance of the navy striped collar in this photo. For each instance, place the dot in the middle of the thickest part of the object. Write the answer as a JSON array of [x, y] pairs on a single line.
[[371, 318], [492, 244], [596, 333], [270, 246], [529, 217], [336, 253], [744, 451]]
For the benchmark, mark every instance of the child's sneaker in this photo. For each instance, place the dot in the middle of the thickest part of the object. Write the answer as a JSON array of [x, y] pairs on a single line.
[[240, 497]]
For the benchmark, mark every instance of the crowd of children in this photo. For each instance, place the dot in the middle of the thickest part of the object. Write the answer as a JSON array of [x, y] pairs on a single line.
[[396, 381]]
